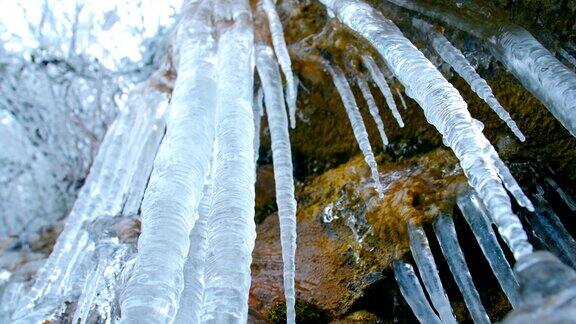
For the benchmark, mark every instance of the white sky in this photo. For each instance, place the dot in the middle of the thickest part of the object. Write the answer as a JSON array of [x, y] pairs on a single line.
[[138, 19]]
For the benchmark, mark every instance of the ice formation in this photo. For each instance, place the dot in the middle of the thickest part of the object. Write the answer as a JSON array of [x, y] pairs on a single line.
[[282, 158], [170, 205], [411, 289], [530, 62], [460, 64], [429, 272], [283, 56], [446, 234], [135, 133], [365, 89], [473, 212], [402, 100], [567, 57], [230, 226], [551, 232], [382, 84], [443, 107], [356, 121]]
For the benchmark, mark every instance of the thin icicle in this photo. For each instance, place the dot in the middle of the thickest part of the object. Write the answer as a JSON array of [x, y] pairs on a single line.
[[355, 118], [231, 228], [382, 84], [283, 56], [365, 89], [282, 157], [412, 291], [567, 199], [191, 299], [567, 56], [429, 272], [446, 234], [474, 214], [169, 208], [260, 101], [460, 64], [257, 111], [402, 100], [509, 181], [550, 230], [443, 107]]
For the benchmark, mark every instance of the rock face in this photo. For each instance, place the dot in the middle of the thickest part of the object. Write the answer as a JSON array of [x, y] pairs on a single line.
[[347, 237]]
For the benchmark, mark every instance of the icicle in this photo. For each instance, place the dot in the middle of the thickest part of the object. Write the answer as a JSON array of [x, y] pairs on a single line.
[[412, 291], [169, 208], [460, 64], [191, 300], [550, 230], [282, 157], [509, 181], [257, 111], [429, 272], [355, 118], [446, 234], [540, 72], [472, 211], [365, 89], [231, 228], [382, 84], [567, 199], [402, 100], [567, 56], [281, 51], [443, 107], [260, 101]]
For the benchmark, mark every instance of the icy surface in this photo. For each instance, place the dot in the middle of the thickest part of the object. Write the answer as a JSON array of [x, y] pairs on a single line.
[[231, 228], [382, 84], [460, 64], [567, 57], [356, 121], [282, 158], [412, 291], [443, 107], [283, 56], [169, 208], [365, 89], [446, 234], [474, 214], [429, 272]]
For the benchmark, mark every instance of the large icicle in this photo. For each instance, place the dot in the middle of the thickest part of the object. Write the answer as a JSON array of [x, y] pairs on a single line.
[[382, 84], [532, 64], [429, 272], [460, 64], [446, 234], [365, 89], [412, 291], [191, 300], [283, 56], [282, 157], [169, 208], [443, 107], [355, 118], [231, 228], [473, 212]]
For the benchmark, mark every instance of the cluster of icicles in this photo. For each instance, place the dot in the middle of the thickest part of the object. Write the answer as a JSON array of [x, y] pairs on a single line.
[[197, 209]]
